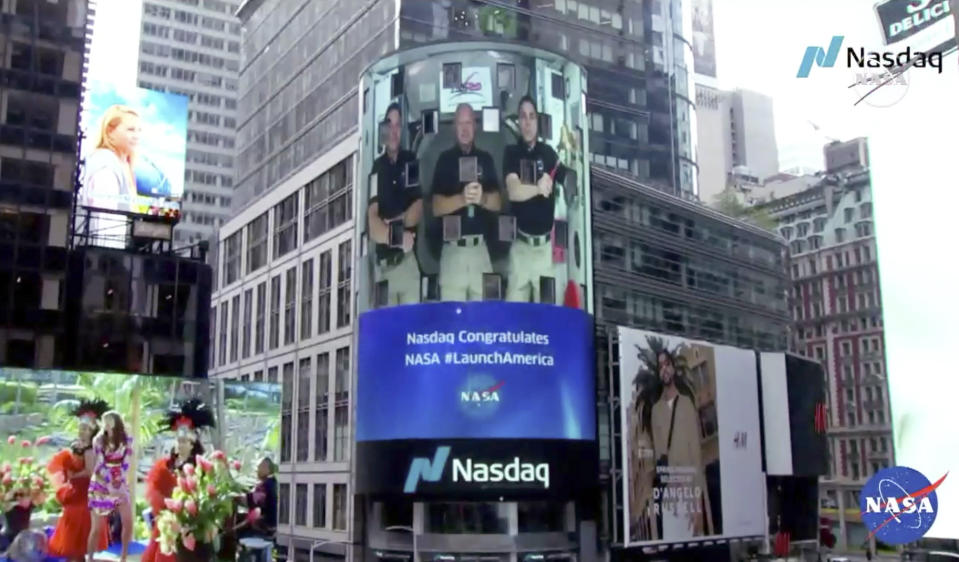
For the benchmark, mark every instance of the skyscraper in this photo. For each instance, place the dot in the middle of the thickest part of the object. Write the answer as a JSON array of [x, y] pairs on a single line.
[[284, 303], [193, 49], [736, 133], [44, 65], [837, 309]]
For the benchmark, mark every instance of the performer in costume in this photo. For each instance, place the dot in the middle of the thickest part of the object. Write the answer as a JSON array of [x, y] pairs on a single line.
[[110, 489], [71, 469], [185, 421]]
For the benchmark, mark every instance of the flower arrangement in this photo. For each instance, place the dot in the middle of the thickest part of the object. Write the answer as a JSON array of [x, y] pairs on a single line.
[[201, 504], [23, 482]]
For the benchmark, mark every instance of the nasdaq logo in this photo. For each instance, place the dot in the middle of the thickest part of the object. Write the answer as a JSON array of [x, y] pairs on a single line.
[[423, 469], [826, 58]]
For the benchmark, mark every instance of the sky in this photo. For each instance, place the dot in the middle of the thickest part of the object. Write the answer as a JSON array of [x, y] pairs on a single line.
[[913, 154]]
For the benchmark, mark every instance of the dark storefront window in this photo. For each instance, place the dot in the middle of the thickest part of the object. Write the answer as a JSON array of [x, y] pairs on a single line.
[[542, 517], [467, 518]]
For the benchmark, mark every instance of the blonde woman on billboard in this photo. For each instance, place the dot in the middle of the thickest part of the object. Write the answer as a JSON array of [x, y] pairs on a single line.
[[108, 180]]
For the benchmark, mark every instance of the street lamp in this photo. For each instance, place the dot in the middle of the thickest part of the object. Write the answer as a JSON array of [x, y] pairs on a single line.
[[320, 543], [408, 530]]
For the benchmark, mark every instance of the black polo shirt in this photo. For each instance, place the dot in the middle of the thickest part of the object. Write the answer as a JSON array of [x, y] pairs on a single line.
[[446, 181], [392, 195], [535, 215]]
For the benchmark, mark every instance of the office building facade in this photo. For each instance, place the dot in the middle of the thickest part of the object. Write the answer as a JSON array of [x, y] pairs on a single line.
[[836, 304], [193, 49], [737, 136], [43, 69], [655, 250]]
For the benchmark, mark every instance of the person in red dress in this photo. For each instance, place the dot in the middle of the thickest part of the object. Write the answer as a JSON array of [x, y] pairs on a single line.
[[71, 469], [185, 421]]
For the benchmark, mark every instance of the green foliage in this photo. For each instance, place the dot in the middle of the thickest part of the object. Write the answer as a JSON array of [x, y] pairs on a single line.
[[728, 204], [490, 17], [251, 404], [8, 393], [118, 391]]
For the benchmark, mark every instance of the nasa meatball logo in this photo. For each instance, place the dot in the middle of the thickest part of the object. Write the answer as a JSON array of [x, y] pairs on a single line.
[[899, 505], [480, 396]]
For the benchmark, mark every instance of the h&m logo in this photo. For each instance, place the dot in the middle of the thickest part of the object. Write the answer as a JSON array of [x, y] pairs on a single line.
[[739, 441], [819, 421]]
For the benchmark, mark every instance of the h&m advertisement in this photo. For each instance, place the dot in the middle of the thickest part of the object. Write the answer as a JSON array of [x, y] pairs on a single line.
[[691, 447], [473, 397]]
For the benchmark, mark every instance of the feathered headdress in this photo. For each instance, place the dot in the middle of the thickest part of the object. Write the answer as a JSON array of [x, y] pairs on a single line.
[[89, 412], [188, 417]]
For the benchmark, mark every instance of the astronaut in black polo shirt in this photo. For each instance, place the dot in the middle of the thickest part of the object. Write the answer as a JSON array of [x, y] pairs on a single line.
[[394, 202], [465, 258], [533, 202]]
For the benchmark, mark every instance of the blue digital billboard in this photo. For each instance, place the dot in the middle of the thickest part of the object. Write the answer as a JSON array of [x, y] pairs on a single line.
[[476, 370]]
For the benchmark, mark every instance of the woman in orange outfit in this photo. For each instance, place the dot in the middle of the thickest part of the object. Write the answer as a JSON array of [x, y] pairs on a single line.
[[186, 421], [72, 469]]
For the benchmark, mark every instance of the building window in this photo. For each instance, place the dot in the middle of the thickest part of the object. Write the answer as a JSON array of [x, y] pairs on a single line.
[[319, 506], [322, 406], [339, 507], [235, 329], [316, 206], [306, 301], [258, 376], [286, 413], [341, 412], [223, 328], [284, 226], [303, 413], [289, 317], [247, 321], [256, 239], [301, 497], [275, 312], [271, 376], [231, 258], [284, 511], [343, 302], [326, 289], [211, 363], [260, 318]]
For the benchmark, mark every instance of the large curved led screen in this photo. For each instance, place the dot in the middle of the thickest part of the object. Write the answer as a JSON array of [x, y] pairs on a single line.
[[474, 178], [490, 383]]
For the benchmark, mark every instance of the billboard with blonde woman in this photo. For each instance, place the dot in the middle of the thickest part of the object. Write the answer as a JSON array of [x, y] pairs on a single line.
[[133, 150]]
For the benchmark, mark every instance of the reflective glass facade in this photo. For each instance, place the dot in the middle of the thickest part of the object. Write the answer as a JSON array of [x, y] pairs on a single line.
[[638, 58], [298, 83]]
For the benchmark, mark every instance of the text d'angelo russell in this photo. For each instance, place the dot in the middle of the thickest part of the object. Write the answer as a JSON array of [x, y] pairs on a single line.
[[466, 336]]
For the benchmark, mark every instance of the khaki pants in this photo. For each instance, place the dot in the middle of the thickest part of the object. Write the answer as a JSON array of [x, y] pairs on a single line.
[[527, 263], [462, 269], [402, 280]]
